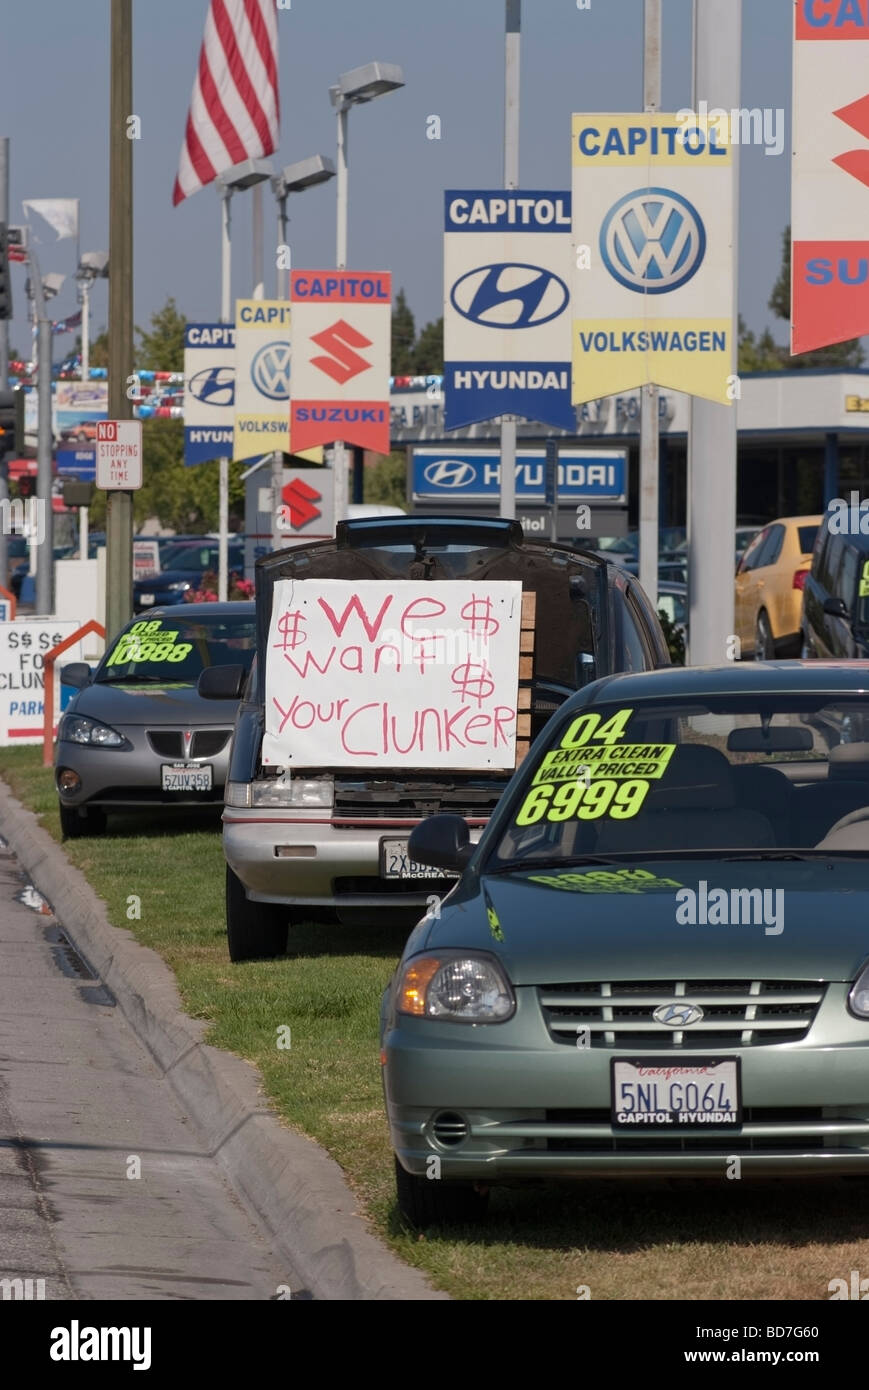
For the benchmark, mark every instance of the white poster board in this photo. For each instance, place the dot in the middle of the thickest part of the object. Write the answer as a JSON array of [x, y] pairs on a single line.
[[403, 674], [23, 646]]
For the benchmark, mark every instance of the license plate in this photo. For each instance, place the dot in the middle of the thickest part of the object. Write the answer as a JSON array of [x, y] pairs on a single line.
[[146, 600], [395, 862], [660, 1093], [186, 777]]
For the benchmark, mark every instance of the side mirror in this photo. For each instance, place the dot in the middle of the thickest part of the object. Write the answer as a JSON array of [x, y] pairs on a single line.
[[221, 682], [836, 608], [443, 841], [585, 672], [77, 674]]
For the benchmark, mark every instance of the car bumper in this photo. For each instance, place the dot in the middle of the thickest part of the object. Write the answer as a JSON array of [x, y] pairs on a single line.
[[117, 777], [312, 862], [522, 1106]]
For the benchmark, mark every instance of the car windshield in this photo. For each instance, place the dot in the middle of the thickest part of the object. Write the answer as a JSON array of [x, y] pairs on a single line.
[[176, 650], [755, 775]]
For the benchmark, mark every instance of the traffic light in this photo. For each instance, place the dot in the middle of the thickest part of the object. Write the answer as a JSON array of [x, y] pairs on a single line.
[[5, 282], [26, 485], [11, 422]]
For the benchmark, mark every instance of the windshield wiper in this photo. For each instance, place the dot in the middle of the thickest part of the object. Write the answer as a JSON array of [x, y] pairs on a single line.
[[561, 861], [123, 680]]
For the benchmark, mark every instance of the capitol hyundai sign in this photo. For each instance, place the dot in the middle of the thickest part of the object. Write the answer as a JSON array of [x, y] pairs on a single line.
[[507, 307]]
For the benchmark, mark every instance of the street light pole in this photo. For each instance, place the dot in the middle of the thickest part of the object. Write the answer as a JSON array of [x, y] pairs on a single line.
[[85, 329], [339, 453], [511, 180], [45, 551], [223, 463]]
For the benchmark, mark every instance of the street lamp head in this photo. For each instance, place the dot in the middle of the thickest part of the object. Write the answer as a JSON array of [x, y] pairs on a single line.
[[365, 83], [51, 283], [305, 173], [245, 175], [93, 265]]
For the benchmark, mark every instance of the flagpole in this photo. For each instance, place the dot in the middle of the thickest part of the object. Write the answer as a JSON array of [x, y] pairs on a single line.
[[223, 464]]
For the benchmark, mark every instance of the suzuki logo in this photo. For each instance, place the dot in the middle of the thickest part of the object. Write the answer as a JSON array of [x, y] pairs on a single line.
[[449, 473], [340, 340], [653, 241], [855, 162], [301, 503], [510, 295], [270, 371], [678, 1015], [213, 386]]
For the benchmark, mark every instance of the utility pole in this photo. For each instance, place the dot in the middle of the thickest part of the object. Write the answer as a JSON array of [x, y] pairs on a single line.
[[45, 551], [649, 426], [119, 505], [713, 432], [513, 20]]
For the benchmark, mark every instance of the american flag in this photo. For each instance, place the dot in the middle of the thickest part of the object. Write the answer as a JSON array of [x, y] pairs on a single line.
[[234, 111]]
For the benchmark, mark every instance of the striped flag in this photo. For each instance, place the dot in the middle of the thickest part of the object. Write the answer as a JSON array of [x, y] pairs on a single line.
[[234, 111]]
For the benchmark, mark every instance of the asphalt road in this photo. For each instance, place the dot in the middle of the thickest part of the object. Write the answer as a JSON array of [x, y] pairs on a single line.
[[80, 1101]]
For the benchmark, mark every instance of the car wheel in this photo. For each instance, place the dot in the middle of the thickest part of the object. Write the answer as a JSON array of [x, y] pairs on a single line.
[[429, 1202], [76, 821], [254, 931], [764, 643]]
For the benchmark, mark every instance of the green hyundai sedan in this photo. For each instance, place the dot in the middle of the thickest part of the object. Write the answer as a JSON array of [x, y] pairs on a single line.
[[655, 962]]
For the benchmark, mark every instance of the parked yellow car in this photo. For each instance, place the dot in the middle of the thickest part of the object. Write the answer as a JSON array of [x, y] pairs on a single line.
[[769, 587]]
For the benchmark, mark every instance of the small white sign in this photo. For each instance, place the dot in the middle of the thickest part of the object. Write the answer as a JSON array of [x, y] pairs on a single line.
[[23, 645], [119, 455]]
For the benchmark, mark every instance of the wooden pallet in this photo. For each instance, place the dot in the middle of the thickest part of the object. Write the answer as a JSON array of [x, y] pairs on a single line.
[[526, 675]]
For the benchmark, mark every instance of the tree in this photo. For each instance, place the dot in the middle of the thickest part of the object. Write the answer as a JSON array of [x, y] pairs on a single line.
[[841, 355], [98, 349], [758, 354], [162, 350], [403, 331], [386, 481], [428, 353]]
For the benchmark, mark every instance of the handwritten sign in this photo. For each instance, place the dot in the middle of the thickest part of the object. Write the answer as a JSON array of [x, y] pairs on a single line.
[[409, 674]]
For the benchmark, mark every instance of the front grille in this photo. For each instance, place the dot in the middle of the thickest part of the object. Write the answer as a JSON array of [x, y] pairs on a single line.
[[206, 743], [413, 799], [788, 1118], [169, 743], [736, 1013]]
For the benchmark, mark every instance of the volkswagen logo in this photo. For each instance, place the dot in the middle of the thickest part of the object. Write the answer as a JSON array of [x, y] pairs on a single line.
[[510, 295], [449, 473], [270, 371], [678, 1015], [213, 386], [653, 241]]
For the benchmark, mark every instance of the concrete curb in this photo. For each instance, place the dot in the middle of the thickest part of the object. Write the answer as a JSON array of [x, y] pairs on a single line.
[[291, 1184]]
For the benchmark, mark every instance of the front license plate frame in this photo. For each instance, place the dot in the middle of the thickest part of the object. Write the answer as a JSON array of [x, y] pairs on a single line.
[[395, 848], [657, 1100], [205, 771]]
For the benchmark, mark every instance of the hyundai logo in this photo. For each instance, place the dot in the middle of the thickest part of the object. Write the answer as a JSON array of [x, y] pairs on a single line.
[[653, 241], [270, 371], [449, 473], [213, 386], [510, 295], [678, 1015]]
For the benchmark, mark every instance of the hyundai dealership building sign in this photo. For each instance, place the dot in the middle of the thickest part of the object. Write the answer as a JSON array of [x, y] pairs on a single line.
[[507, 307]]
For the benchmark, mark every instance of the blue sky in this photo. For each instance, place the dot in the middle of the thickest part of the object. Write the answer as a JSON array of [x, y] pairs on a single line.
[[54, 103]]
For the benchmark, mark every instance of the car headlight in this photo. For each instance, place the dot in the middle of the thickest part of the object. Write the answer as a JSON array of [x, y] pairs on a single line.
[[462, 986], [858, 997], [179, 585], [75, 728], [281, 791]]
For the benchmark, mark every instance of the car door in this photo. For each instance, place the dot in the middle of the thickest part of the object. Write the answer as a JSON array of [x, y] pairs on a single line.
[[845, 589], [828, 629]]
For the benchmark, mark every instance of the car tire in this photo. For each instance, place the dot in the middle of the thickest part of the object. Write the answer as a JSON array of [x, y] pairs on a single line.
[[764, 642], [254, 931], [429, 1202], [76, 821]]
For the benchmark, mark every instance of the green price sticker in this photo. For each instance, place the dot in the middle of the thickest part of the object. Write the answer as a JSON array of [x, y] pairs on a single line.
[[578, 801], [149, 641], [864, 581]]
